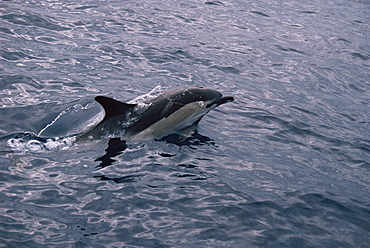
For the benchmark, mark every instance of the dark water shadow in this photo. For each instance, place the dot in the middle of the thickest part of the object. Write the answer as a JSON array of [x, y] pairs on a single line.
[[124, 179], [115, 147], [196, 139]]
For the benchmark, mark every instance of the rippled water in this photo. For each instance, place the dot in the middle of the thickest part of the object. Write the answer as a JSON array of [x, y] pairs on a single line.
[[285, 165]]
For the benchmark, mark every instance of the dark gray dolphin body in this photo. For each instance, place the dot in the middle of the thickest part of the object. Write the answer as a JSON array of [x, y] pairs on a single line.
[[171, 111]]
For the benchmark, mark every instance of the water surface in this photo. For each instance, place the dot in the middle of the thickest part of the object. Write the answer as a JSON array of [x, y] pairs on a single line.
[[285, 165]]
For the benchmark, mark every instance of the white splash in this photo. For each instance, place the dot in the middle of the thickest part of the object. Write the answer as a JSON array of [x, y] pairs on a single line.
[[32, 143]]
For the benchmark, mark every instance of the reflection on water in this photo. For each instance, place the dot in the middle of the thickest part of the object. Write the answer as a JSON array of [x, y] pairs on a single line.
[[115, 147], [196, 139], [285, 165]]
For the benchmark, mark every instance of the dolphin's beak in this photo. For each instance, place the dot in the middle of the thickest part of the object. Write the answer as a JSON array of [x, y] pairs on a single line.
[[224, 99], [221, 100]]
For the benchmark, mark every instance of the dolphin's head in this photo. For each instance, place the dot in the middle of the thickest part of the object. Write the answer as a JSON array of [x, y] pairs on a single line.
[[210, 98]]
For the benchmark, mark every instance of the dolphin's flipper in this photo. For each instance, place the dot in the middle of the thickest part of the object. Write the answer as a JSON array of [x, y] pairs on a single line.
[[113, 107]]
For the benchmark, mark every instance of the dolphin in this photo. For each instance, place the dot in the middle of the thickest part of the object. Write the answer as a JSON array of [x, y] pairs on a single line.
[[172, 111]]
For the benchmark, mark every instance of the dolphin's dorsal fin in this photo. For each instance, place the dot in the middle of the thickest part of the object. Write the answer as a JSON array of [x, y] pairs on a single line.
[[113, 107]]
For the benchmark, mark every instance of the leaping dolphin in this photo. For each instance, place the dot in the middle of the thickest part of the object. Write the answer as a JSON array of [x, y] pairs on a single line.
[[172, 111], [150, 116]]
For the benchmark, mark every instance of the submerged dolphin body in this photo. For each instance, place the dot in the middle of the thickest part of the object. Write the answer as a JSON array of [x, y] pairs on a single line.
[[172, 111]]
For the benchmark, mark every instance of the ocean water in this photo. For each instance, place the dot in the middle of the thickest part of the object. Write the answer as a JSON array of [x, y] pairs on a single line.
[[287, 164]]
